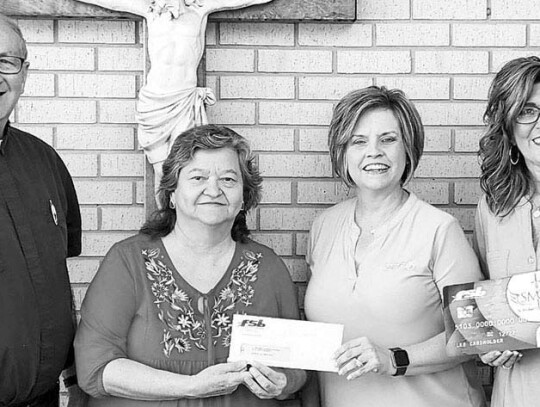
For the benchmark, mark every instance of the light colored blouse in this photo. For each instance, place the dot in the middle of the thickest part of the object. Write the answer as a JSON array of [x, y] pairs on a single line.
[[393, 297], [505, 247], [139, 307]]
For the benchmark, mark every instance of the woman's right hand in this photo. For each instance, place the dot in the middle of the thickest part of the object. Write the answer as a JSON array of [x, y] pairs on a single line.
[[218, 380], [505, 359]]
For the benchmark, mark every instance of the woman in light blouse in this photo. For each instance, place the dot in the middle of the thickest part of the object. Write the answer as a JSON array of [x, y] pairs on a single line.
[[508, 215], [379, 262]]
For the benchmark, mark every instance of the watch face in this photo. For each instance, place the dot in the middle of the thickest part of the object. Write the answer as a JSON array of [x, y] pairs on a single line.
[[401, 358]]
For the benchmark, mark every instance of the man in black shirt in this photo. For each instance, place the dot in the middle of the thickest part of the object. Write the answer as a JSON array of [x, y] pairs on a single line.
[[40, 225]]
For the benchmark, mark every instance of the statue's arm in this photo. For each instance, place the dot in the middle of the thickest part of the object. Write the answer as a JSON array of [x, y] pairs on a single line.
[[138, 7], [220, 5]]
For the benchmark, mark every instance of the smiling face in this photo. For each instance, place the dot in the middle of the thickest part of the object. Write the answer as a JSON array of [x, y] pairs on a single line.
[[210, 189], [11, 85], [376, 155], [527, 136]]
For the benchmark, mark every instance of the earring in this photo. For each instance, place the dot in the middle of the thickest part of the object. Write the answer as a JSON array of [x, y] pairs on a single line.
[[512, 160], [171, 204]]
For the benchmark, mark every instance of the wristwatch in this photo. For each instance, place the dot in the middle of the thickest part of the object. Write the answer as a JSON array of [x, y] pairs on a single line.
[[400, 360]]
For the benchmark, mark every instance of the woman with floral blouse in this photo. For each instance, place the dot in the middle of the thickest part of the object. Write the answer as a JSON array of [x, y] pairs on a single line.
[[156, 321]]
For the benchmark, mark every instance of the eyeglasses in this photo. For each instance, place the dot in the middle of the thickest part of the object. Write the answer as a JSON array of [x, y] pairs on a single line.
[[11, 65], [528, 115]]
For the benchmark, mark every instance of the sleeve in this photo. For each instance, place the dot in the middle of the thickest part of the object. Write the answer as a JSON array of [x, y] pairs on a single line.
[[106, 315], [72, 211], [479, 238], [453, 259]]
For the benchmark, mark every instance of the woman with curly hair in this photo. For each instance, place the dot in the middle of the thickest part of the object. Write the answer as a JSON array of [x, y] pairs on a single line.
[[507, 230], [156, 321]]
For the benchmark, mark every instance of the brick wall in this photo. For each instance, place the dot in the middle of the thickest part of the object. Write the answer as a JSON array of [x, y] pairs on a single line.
[[277, 84]]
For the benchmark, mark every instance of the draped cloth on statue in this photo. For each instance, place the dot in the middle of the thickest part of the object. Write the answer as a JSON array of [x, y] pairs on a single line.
[[163, 116]]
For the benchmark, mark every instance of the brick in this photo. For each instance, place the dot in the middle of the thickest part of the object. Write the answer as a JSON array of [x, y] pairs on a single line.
[[140, 192], [89, 218], [95, 85], [122, 165], [39, 84], [313, 139], [472, 87], [117, 111], [276, 192], [465, 216], [78, 296], [467, 192], [294, 61], [302, 240], [56, 111], [44, 133], [297, 269], [212, 82], [231, 112], [94, 138], [329, 88], [466, 140], [99, 243], [379, 62], [120, 59], [230, 60], [288, 218], [515, 10], [251, 220], [211, 34], [281, 243], [295, 113], [383, 10], [452, 61], [82, 270], [418, 87], [450, 114], [450, 9], [499, 58], [97, 31], [295, 165], [122, 218], [94, 192], [61, 58], [268, 139], [444, 166], [534, 35], [81, 165], [322, 192], [437, 139], [489, 35], [335, 35], [39, 31], [256, 34], [435, 193], [414, 35], [257, 87]]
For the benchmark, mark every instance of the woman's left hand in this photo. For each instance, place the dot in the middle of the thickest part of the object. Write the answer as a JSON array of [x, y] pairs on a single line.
[[264, 382], [360, 356]]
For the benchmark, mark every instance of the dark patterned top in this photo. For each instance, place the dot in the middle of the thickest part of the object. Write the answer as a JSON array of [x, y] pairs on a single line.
[[140, 307]]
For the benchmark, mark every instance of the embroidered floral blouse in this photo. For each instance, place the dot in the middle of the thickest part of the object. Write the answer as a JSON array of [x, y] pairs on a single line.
[[139, 307]]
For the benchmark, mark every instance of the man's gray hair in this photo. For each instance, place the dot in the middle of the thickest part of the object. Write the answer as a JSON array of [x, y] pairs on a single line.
[[12, 24]]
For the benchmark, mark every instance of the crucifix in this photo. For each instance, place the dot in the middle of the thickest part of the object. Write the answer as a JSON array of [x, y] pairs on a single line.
[[170, 100]]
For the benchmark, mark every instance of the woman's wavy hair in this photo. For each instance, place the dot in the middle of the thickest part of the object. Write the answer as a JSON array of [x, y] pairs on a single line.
[[207, 137], [357, 103], [504, 183]]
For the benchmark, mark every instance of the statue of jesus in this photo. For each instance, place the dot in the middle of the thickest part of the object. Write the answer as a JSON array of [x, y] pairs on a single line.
[[170, 101]]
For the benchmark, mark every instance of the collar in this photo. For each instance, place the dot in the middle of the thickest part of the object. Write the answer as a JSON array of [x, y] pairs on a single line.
[[4, 139]]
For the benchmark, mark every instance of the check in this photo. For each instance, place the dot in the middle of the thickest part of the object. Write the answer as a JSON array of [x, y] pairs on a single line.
[[285, 342], [493, 314]]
